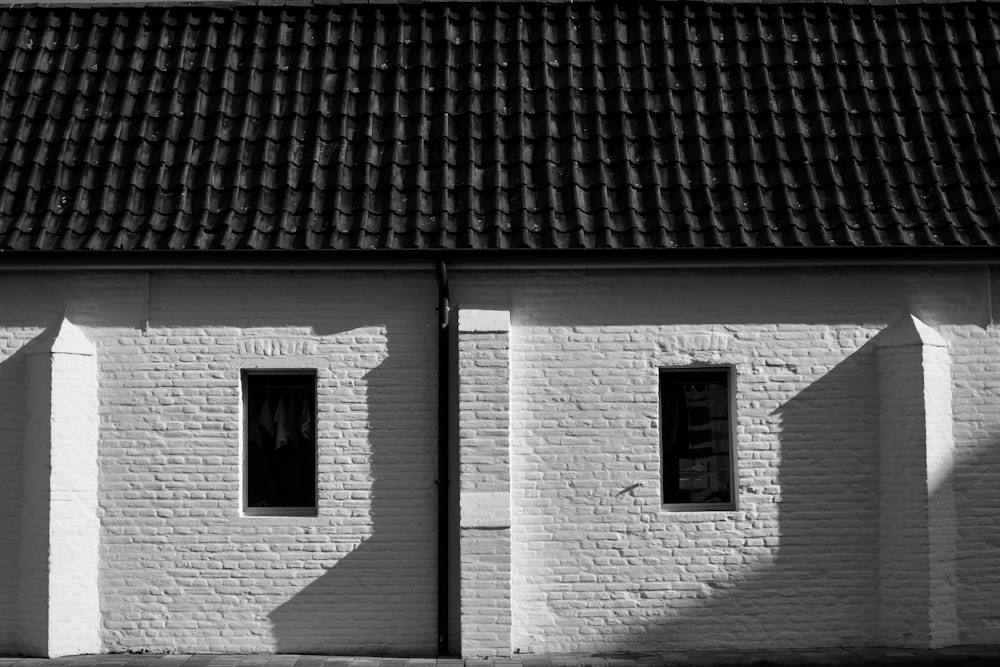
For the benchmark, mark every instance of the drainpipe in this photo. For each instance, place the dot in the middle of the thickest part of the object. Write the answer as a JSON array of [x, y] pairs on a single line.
[[444, 423]]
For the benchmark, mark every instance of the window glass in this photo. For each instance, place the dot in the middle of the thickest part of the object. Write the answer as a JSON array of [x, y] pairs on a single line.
[[280, 442], [696, 438]]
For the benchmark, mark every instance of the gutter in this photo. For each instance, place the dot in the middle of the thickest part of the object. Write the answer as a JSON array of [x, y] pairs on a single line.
[[488, 259], [444, 455]]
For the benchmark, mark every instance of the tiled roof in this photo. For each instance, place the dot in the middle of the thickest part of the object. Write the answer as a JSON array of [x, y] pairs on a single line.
[[504, 125]]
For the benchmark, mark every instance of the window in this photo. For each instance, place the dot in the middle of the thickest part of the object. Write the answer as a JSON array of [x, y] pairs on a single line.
[[696, 439], [280, 453]]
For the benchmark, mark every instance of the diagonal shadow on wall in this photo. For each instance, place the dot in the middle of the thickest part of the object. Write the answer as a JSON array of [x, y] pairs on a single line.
[[798, 566], [379, 597], [816, 582], [24, 555], [13, 374], [799, 563], [358, 578]]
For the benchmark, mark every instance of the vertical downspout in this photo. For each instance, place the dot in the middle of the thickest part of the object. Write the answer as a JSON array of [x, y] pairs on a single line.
[[989, 294], [444, 425], [149, 290]]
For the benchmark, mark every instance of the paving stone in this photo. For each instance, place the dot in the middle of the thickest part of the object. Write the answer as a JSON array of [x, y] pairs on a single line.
[[717, 657], [564, 659], [144, 660], [971, 655], [826, 657], [534, 660], [649, 660], [785, 657], [247, 661], [879, 654]]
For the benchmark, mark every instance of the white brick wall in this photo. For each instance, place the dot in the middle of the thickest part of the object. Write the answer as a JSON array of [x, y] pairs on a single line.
[[976, 390], [31, 304], [181, 570], [184, 571], [792, 566], [596, 564], [484, 481], [29, 582]]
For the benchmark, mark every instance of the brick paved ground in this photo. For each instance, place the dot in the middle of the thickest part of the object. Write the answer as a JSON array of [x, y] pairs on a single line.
[[954, 657]]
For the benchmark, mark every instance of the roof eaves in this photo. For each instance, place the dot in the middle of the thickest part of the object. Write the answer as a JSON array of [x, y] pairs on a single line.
[[492, 259]]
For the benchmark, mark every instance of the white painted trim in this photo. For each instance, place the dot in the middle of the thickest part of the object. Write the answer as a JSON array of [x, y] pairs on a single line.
[[483, 321], [909, 330], [485, 509], [67, 339]]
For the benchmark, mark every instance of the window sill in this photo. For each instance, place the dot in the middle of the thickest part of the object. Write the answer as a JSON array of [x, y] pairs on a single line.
[[693, 508], [280, 511]]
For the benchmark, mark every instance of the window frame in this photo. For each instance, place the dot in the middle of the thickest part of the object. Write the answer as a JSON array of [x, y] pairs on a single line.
[[277, 511], [691, 371]]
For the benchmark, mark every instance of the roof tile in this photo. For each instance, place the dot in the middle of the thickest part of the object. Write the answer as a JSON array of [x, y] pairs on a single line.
[[673, 125]]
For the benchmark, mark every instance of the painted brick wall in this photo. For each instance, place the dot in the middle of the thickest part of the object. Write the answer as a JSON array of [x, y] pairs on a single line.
[[30, 581], [33, 303], [596, 563], [181, 570], [484, 480], [917, 523], [976, 389], [69, 484]]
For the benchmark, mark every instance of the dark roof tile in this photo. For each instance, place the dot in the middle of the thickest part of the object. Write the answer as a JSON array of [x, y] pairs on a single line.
[[500, 126]]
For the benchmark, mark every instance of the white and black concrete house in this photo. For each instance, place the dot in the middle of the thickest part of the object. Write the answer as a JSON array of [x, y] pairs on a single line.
[[487, 328]]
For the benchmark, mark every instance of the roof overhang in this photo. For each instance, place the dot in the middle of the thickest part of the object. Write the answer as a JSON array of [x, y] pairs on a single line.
[[492, 260]]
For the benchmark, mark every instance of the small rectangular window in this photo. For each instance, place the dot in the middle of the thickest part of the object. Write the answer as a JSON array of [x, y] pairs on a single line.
[[696, 439], [280, 453]]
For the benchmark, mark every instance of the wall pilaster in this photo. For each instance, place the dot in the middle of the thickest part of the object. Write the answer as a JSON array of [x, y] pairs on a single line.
[[917, 530], [484, 481], [60, 528]]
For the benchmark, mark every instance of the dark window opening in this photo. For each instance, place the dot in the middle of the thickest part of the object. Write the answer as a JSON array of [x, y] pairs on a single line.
[[280, 442], [696, 438]]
